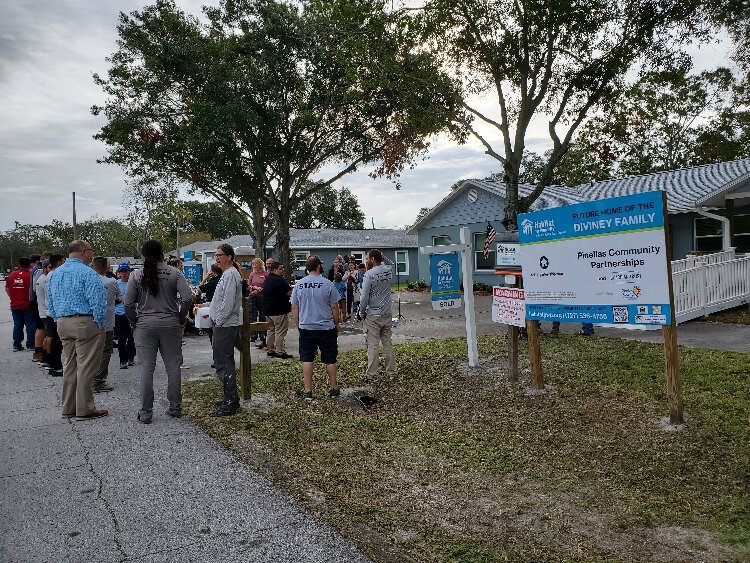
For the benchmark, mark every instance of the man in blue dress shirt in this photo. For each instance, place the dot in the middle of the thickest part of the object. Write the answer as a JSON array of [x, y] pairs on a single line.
[[77, 301]]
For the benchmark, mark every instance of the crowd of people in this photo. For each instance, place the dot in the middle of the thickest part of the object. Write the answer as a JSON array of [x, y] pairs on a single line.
[[78, 308]]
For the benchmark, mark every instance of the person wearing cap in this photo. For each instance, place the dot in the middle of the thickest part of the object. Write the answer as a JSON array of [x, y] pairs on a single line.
[[125, 342]]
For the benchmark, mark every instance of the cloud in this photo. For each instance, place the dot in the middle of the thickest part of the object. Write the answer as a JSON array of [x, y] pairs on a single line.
[[48, 53]]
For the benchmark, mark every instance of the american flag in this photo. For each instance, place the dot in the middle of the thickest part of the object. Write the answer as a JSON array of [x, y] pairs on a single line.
[[491, 234]]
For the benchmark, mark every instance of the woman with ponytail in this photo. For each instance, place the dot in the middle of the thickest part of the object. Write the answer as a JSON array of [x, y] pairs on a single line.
[[157, 315]]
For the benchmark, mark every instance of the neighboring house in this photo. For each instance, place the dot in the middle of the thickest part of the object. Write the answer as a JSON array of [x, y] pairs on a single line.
[[709, 210], [396, 244]]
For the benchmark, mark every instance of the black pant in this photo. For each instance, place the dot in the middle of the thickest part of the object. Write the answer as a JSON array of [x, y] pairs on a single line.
[[54, 358], [257, 315], [125, 342]]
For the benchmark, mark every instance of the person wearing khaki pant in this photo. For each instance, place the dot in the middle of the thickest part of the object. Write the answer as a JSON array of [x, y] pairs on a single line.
[[375, 303], [276, 293], [377, 331], [76, 300], [83, 342], [276, 334]]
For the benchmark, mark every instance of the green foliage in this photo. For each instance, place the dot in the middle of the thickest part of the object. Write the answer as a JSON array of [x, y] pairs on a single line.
[[329, 208]]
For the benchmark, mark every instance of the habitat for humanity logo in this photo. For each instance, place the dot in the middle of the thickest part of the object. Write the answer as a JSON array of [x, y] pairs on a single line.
[[528, 226], [632, 294], [444, 267]]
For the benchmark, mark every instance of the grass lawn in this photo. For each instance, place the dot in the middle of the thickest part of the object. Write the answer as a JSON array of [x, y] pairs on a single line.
[[738, 315], [458, 466]]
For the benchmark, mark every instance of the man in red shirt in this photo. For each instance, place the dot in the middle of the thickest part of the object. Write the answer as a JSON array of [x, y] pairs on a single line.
[[18, 286]]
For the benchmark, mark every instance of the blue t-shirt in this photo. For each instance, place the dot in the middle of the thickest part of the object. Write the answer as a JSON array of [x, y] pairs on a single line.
[[120, 307], [313, 296], [341, 288]]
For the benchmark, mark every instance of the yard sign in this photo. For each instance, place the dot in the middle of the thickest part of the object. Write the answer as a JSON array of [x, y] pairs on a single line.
[[600, 262], [446, 281], [508, 306]]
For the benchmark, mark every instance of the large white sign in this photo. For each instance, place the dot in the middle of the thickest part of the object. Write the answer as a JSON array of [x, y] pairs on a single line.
[[598, 262], [508, 306]]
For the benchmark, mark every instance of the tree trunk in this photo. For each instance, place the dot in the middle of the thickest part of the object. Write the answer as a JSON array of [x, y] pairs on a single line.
[[260, 234], [282, 238]]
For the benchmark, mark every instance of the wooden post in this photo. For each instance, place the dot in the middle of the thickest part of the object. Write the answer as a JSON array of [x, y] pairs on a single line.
[[513, 345], [535, 355], [245, 360], [674, 383]]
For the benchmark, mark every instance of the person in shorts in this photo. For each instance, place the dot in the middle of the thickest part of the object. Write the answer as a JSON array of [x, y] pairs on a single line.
[[315, 312]]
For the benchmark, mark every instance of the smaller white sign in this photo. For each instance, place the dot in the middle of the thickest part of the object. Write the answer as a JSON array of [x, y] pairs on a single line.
[[507, 254], [456, 303], [508, 306]]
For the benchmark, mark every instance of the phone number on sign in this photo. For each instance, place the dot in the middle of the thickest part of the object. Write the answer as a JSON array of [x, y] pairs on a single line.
[[582, 316]]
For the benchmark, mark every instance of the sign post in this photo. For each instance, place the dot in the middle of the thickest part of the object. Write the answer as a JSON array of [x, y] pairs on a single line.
[[451, 298]]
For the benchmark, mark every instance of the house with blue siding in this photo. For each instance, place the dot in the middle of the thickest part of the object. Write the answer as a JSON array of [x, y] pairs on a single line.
[[396, 244], [709, 210]]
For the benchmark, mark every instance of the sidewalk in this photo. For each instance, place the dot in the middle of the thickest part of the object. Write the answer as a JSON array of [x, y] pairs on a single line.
[[115, 490]]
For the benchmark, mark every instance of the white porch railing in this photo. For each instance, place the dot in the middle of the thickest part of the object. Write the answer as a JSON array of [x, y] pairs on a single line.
[[693, 261], [713, 283]]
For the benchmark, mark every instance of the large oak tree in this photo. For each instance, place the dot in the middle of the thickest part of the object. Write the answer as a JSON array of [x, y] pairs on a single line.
[[542, 59], [251, 105]]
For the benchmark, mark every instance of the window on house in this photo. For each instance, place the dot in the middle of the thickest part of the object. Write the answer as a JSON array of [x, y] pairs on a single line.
[[300, 257], [708, 234], [741, 226], [358, 255], [441, 240], [402, 262], [480, 262]]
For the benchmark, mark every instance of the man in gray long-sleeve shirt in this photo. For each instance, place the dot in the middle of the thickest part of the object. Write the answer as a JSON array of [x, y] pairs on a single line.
[[226, 314], [375, 302]]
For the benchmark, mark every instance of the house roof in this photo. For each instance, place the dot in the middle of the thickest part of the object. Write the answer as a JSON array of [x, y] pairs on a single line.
[[686, 188], [306, 239]]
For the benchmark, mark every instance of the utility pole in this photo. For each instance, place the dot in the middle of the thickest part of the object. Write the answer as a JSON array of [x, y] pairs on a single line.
[[75, 222]]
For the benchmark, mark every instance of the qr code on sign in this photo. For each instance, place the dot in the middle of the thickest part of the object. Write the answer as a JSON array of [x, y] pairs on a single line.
[[620, 314]]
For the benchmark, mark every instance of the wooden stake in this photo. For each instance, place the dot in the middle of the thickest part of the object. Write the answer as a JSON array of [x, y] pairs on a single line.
[[535, 355], [512, 353], [673, 380], [245, 359], [513, 344]]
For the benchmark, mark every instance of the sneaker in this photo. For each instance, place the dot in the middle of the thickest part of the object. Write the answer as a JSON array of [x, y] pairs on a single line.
[[55, 372], [37, 357], [131, 362], [184, 366], [306, 395], [17, 349], [44, 364], [334, 392], [144, 420], [174, 414], [123, 365]]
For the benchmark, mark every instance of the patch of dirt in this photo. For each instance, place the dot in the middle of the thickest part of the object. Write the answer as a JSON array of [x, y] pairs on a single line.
[[260, 402], [522, 513]]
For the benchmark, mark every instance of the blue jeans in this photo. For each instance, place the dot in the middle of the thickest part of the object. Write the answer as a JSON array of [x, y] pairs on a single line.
[[21, 318]]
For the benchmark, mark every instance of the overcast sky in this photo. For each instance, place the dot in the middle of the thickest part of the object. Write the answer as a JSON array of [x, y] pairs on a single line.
[[48, 53]]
